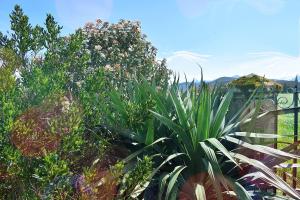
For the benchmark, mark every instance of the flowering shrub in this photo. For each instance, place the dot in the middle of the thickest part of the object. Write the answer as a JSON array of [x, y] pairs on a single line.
[[123, 51], [40, 130], [91, 115], [55, 106]]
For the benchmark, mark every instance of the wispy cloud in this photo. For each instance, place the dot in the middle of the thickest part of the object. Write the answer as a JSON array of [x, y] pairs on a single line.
[[190, 56], [187, 64], [270, 64]]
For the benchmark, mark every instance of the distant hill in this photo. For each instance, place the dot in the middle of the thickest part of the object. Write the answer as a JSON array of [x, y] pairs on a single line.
[[288, 84], [225, 80], [219, 81]]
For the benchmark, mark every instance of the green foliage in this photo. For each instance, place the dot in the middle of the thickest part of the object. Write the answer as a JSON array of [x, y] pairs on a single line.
[[52, 34], [8, 64], [135, 111], [93, 95], [65, 101], [50, 168], [136, 179], [21, 36], [253, 81], [54, 176], [3, 40], [193, 152], [123, 50], [8, 112], [41, 148]]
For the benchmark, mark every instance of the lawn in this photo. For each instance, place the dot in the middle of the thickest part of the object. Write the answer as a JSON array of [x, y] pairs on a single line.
[[286, 127], [286, 121]]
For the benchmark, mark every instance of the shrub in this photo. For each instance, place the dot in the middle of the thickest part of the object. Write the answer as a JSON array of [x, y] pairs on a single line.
[[92, 115], [122, 49], [41, 129], [252, 81], [190, 142]]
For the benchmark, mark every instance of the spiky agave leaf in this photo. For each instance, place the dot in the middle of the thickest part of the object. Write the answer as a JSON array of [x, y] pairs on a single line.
[[210, 129], [197, 132]]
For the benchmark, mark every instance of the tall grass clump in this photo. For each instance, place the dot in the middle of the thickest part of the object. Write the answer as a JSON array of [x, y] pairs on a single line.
[[197, 153], [92, 115]]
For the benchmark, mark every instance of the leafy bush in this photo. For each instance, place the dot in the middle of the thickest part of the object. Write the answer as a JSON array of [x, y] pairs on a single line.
[[136, 178], [123, 50], [198, 155], [54, 100], [92, 115], [252, 81]]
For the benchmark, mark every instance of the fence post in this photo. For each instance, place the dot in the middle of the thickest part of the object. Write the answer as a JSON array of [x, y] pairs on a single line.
[[275, 98], [296, 111]]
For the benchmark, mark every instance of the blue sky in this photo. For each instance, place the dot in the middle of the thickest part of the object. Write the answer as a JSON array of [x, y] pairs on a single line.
[[226, 37]]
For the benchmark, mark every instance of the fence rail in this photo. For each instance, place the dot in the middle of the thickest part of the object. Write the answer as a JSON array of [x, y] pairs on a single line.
[[285, 107], [277, 103]]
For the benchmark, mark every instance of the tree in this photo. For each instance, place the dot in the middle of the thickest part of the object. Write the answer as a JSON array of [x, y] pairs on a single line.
[[21, 36], [52, 33], [3, 40], [8, 64], [122, 49], [37, 39]]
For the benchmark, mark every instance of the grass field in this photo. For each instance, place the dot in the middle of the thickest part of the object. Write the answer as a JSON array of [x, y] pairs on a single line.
[[286, 127], [286, 121]]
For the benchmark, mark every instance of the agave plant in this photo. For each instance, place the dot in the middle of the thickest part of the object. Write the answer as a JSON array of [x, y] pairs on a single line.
[[198, 153]]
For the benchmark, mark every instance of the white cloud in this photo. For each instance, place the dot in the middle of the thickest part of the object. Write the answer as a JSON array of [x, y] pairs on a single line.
[[187, 63], [190, 55], [75, 13], [270, 64]]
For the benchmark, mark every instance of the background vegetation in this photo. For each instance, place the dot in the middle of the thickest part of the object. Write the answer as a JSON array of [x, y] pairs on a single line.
[[94, 115]]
